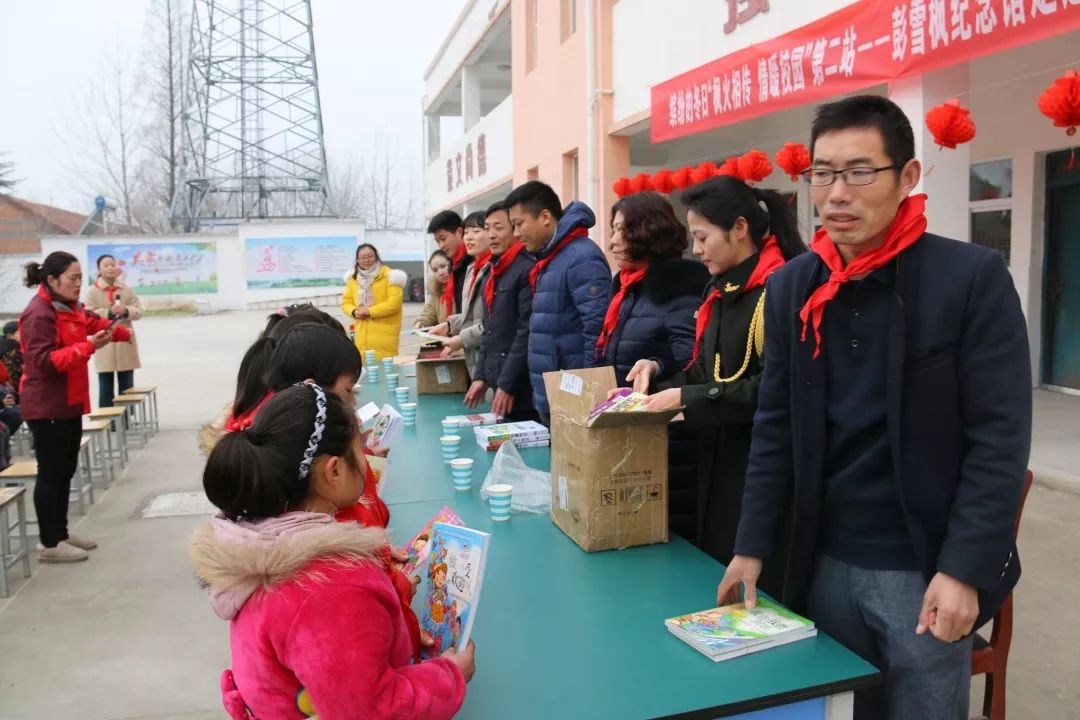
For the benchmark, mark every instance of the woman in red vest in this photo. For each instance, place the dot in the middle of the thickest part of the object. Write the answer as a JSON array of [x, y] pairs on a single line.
[[58, 338]]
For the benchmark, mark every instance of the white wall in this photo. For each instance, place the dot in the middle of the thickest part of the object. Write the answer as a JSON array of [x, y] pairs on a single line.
[[497, 127], [477, 16], [654, 41]]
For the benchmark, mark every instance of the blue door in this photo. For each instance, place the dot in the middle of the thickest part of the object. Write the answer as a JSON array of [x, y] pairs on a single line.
[[1061, 288]]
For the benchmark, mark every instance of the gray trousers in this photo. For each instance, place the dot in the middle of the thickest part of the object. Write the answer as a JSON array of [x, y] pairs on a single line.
[[873, 613]]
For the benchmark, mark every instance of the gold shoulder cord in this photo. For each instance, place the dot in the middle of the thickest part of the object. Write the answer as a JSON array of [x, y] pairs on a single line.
[[755, 342]]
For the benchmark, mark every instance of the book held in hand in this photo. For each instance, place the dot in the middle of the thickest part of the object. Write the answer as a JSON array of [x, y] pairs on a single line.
[[387, 425], [455, 574], [625, 400], [721, 633], [419, 548]]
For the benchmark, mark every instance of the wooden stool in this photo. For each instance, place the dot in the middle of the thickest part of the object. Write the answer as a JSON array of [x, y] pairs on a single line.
[[115, 415], [82, 482], [13, 496], [150, 390], [100, 449], [135, 404], [992, 658]]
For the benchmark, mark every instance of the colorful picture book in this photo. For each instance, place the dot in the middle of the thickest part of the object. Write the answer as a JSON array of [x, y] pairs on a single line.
[[367, 414], [721, 633], [625, 400], [430, 337], [419, 548], [455, 575], [379, 467], [522, 434], [387, 425], [474, 420]]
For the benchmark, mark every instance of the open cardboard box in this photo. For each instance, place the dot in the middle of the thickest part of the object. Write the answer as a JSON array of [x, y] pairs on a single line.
[[436, 375], [609, 475]]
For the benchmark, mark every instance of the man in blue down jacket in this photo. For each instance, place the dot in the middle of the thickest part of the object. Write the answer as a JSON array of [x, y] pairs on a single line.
[[571, 282]]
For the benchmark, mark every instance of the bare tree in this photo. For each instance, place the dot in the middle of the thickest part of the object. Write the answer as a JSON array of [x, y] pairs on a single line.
[[7, 182], [347, 197], [161, 83], [389, 191]]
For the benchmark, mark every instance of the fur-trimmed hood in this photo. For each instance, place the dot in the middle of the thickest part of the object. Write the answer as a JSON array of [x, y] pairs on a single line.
[[236, 559]]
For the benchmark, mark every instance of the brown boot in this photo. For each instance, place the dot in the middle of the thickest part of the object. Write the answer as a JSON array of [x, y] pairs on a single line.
[[62, 553]]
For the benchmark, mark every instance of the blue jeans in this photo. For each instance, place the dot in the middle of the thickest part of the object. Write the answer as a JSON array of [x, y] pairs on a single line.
[[106, 391], [873, 613]]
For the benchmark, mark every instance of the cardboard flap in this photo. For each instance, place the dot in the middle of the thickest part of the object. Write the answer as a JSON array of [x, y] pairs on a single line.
[[457, 357], [574, 393], [631, 419]]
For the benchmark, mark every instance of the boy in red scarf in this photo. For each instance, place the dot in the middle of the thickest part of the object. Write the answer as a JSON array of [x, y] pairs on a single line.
[[449, 233], [895, 413]]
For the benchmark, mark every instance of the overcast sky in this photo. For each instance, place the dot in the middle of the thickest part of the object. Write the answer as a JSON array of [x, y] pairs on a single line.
[[371, 54]]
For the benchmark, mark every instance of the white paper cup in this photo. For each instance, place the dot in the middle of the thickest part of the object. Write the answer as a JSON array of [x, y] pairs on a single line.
[[408, 413], [392, 380], [451, 446], [461, 471], [449, 426], [499, 501], [402, 396]]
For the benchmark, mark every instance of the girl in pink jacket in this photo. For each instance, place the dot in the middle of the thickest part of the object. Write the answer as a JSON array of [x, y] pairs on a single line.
[[315, 624]]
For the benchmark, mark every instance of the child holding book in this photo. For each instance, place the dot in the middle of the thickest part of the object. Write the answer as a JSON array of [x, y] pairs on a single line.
[[339, 643]]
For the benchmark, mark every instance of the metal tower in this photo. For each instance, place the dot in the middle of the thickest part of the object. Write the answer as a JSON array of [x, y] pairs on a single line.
[[252, 123]]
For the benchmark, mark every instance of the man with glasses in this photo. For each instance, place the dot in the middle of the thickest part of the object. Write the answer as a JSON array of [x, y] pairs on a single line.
[[893, 422]]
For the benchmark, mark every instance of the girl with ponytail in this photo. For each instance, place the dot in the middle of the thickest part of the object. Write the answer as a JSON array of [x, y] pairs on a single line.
[[315, 622], [742, 235]]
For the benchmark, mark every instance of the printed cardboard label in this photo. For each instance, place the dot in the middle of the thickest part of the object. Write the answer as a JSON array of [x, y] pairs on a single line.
[[572, 384], [564, 502], [442, 374]]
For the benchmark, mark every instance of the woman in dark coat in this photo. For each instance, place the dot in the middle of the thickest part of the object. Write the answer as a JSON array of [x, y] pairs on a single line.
[[651, 318], [742, 235]]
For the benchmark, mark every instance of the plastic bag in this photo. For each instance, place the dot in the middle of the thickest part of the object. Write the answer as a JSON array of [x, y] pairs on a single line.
[[532, 488]]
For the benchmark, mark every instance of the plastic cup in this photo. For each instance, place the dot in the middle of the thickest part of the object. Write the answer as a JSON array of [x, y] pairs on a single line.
[[461, 471], [402, 395], [373, 373], [369, 357], [408, 413], [499, 501], [392, 380], [388, 365], [449, 427], [451, 446]]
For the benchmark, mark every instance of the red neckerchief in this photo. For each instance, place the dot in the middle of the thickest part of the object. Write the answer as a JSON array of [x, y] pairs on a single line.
[[110, 293], [243, 422], [541, 264], [906, 229], [627, 279], [770, 260], [448, 291], [498, 268], [478, 267]]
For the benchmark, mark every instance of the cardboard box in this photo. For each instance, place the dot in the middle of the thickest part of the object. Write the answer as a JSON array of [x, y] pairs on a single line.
[[609, 474], [436, 375]]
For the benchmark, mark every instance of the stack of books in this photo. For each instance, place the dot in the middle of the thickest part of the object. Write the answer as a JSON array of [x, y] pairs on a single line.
[[521, 434], [475, 419], [721, 633]]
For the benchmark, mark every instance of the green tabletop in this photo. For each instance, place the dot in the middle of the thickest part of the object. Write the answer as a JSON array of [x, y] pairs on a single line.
[[561, 633]]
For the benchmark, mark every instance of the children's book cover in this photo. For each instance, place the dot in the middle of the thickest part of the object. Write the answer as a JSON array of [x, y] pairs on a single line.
[[732, 628], [455, 575], [386, 428], [419, 547], [625, 400]]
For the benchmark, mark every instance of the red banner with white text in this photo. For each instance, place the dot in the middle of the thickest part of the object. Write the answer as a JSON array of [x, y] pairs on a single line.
[[863, 44]]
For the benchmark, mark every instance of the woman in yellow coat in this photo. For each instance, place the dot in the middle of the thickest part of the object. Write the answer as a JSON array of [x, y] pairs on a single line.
[[372, 299]]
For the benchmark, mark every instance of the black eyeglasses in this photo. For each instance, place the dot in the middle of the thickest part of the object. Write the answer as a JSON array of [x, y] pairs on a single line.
[[822, 177]]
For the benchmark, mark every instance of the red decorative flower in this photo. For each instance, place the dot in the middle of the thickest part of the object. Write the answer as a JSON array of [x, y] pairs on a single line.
[[1061, 102], [950, 124], [622, 187], [730, 168], [662, 181], [640, 183], [793, 158], [754, 166], [703, 172], [681, 177]]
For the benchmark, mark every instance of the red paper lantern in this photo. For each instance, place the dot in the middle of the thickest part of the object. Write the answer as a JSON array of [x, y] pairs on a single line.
[[1061, 102], [730, 168], [754, 166], [622, 187], [702, 172], [793, 158], [640, 183], [681, 177], [662, 182], [950, 124]]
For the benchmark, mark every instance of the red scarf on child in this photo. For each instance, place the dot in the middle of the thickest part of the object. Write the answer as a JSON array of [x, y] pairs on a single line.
[[907, 227], [627, 279], [542, 263], [498, 268], [448, 291], [769, 260]]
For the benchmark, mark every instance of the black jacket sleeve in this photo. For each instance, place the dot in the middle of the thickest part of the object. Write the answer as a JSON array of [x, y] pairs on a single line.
[[515, 371], [770, 470]]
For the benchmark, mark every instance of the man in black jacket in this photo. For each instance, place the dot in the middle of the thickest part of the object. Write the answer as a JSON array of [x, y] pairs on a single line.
[[503, 363], [894, 420]]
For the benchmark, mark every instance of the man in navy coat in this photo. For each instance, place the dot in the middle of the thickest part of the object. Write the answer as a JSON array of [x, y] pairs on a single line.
[[893, 423]]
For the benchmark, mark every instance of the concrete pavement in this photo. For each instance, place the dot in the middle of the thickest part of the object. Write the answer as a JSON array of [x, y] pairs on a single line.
[[128, 635]]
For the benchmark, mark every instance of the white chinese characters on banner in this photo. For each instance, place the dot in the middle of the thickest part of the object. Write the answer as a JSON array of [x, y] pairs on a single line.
[[917, 18], [899, 33]]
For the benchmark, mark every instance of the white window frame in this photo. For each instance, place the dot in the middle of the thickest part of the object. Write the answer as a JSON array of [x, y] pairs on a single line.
[[996, 204]]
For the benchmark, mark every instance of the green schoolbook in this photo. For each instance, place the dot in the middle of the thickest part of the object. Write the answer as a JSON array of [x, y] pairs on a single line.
[[721, 633]]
